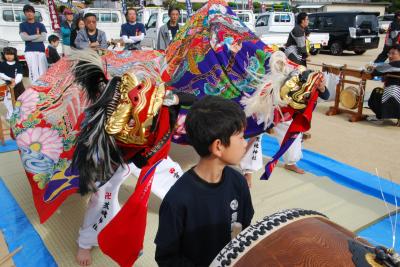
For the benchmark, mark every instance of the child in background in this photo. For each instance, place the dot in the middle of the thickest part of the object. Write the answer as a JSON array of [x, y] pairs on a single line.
[[206, 207], [51, 52], [11, 72]]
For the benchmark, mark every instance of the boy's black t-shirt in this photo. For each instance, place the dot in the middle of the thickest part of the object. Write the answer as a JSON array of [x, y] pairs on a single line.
[[53, 55], [196, 218]]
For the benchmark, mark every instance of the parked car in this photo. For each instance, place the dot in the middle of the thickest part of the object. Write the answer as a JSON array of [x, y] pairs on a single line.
[[274, 27], [317, 40], [247, 17], [354, 31], [156, 20], [10, 18], [144, 14], [270, 22], [384, 22]]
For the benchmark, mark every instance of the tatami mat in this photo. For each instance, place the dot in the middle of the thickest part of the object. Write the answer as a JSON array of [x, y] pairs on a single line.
[[5, 260], [347, 207]]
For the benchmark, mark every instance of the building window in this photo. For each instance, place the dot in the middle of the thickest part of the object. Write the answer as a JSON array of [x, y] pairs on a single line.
[[18, 16]]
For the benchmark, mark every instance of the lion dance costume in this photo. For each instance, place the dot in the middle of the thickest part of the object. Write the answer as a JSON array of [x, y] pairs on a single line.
[[75, 128]]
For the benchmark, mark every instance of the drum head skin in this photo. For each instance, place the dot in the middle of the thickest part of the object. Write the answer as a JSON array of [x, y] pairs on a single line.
[[349, 97], [290, 238]]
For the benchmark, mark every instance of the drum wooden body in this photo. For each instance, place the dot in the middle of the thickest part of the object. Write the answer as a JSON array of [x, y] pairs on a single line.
[[349, 97], [292, 238]]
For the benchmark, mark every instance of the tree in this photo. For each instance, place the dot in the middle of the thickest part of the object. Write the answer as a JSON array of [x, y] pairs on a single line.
[[395, 6], [197, 6]]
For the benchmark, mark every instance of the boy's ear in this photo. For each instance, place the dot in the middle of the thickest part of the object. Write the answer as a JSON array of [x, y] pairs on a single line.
[[216, 148]]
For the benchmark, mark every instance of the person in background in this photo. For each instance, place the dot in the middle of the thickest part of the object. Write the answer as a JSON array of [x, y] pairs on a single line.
[[168, 31], [385, 103], [66, 29], [79, 25], [34, 34], [52, 54], [91, 37], [392, 38], [61, 16], [296, 49], [132, 32], [11, 72]]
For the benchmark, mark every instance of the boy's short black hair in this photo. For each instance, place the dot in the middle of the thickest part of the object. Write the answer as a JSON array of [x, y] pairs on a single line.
[[27, 8], [396, 47], [172, 8], [89, 15], [53, 38], [9, 51], [129, 9], [301, 16], [213, 118]]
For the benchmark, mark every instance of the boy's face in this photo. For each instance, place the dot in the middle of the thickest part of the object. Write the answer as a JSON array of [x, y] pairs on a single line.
[[55, 43], [233, 154], [174, 16], [131, 16], [394, 55], [29, 14], [9, 57]]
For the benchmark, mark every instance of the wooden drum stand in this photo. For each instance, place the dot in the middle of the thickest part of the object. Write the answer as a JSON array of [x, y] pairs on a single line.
[[343, 72]]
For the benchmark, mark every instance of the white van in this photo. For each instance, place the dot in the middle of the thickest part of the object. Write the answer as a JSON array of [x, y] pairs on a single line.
[[11, 15], [280, 22], [108, 20], [247, 17], [144, 14], [156, 20]]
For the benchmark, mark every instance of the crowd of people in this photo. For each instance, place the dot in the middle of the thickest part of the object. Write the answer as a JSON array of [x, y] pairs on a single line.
[[219, 144]]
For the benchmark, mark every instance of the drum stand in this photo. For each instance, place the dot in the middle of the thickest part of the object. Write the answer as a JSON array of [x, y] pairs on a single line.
[[344, 72]]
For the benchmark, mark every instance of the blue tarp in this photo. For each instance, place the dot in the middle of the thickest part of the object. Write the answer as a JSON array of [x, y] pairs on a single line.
[[10, 145], [18, 231], [380, 233], [339, 172]]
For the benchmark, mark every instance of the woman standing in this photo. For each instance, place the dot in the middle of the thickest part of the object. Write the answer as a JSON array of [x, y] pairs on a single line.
[[79, 25], [66, 29]]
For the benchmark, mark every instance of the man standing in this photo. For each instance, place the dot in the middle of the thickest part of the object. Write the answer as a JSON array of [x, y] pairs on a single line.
[[91, 37], [132, 32], [168, 31], [66, 29], [296, 49], [34, 34]]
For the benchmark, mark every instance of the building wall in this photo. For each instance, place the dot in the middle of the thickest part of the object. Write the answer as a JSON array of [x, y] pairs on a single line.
[[349, 7], [155, 2], [304, 2]]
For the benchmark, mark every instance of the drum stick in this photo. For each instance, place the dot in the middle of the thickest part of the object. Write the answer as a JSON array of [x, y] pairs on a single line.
[[392, 76], [10, 255]]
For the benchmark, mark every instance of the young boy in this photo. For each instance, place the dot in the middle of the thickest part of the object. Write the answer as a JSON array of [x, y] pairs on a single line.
[[52, 54], [199, 213], [34, 34]]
